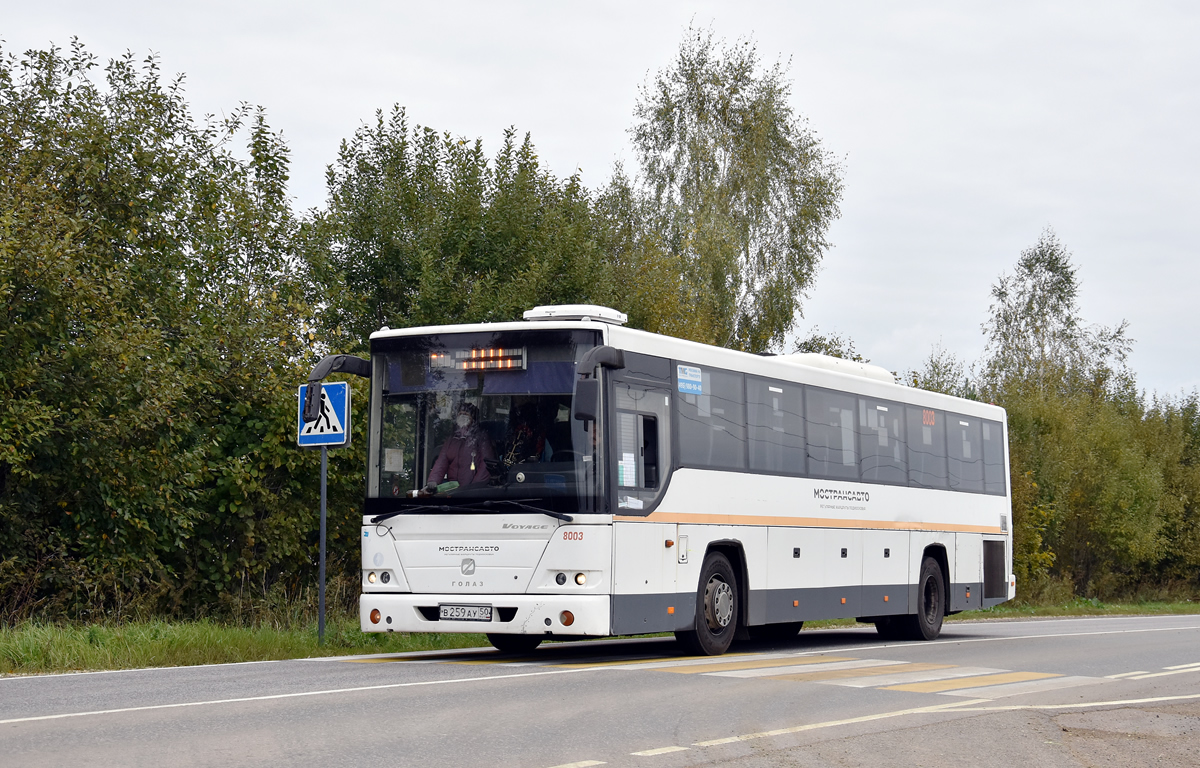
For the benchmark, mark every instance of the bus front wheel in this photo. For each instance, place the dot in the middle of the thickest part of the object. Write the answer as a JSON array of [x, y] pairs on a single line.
[[716, 609], [514, 643]]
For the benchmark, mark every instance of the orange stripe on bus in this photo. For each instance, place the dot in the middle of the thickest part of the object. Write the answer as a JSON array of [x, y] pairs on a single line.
[[802, 522]]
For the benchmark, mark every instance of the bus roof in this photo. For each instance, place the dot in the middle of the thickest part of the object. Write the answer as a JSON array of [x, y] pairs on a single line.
[[817, 370]]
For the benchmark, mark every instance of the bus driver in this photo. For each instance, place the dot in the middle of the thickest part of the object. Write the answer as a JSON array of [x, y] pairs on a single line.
[[463, 455]]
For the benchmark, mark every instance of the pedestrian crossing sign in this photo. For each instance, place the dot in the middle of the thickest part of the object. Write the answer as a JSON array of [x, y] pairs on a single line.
[[332, 427]]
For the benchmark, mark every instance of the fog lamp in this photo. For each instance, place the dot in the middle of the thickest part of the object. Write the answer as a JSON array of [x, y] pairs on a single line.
[[581, 579], [375, 615], [567, 618], [371, 577]]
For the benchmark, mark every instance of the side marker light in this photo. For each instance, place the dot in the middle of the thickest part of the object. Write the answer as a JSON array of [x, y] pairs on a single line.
[[375, 615], [567, 618]]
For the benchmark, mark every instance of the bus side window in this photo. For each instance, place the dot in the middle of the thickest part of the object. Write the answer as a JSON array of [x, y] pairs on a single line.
[[993, 458], [881, 441], [965, 452], [926, 447], [712, 421], [831, 434], [775, 422]]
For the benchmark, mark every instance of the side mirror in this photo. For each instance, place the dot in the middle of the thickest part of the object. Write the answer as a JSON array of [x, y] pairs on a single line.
[[587, 399], [312, 402]]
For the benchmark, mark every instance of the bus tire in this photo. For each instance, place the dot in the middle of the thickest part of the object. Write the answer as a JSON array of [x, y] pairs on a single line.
[[926, 623], [514, 643], [716, 609]]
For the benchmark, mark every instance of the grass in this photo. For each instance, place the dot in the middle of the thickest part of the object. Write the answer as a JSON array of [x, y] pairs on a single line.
[[39, 648], [36, 648]]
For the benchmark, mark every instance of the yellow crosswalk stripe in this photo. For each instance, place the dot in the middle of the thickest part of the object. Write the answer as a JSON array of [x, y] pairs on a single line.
[[732, 666], [937, 686], [841, 674], [623, 662]]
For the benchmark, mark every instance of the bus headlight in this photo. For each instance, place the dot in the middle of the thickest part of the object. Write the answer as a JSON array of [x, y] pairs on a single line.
[[581, 579], [371, 577], [385, 577]]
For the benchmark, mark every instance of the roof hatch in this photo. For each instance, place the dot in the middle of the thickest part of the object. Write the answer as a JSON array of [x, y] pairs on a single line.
[[577, 312]]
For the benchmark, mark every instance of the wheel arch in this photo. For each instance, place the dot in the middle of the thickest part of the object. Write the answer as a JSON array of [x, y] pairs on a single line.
[[938, 553], [735, 552]]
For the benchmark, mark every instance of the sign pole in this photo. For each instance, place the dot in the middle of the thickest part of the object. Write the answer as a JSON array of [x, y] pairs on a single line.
[[321, 567], [330, 428]]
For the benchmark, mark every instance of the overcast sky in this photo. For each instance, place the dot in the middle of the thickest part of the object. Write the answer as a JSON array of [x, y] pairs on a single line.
[[965, 129]]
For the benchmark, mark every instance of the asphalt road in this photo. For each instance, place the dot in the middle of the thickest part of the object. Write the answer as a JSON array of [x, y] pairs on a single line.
[[1073, 692]]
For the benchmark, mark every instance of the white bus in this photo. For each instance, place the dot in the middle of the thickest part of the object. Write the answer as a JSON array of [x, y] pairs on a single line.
[[570, 477]]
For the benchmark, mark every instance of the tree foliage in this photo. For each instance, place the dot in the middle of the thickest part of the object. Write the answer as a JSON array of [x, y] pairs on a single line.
[[743, 192], [151, 316], [832, 344], [1104, 482], [422, 229]]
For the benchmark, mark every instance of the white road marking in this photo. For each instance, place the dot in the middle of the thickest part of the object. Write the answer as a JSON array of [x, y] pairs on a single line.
[[965, 706], [1082, 705], [1184, 666], [828, 666], [659, 751], [832, 723], [902, 678], [1164, 674], [298, 695], [1028, 686], [1126, 674], [581, 764]]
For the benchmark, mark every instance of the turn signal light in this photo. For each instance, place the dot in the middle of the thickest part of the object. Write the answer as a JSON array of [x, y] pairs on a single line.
[[581, 579], [375, 615], [567, 618]]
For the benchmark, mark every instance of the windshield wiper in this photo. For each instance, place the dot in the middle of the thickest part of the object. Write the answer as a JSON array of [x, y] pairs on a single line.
[[419, 508], [529, 507], [483, 505]]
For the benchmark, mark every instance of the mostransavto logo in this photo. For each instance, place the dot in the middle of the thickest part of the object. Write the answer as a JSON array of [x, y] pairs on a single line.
[[468, 549], [833, 494]]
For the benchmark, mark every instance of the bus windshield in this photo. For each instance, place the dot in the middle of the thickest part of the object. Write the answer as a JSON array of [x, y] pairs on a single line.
[[460, 419]]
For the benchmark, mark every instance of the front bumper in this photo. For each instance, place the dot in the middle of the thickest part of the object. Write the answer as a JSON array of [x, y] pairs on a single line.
[[511, 614]]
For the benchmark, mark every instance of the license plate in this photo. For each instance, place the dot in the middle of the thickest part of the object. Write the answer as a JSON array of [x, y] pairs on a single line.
[[465, 612]]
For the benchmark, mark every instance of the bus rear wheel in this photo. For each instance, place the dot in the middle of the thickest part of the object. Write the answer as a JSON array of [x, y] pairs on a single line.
[[514, 643], [716, 609], [926, 623]]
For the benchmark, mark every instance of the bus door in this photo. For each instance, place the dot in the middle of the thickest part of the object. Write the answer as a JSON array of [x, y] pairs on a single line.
[[641, 434], [644, 565]]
